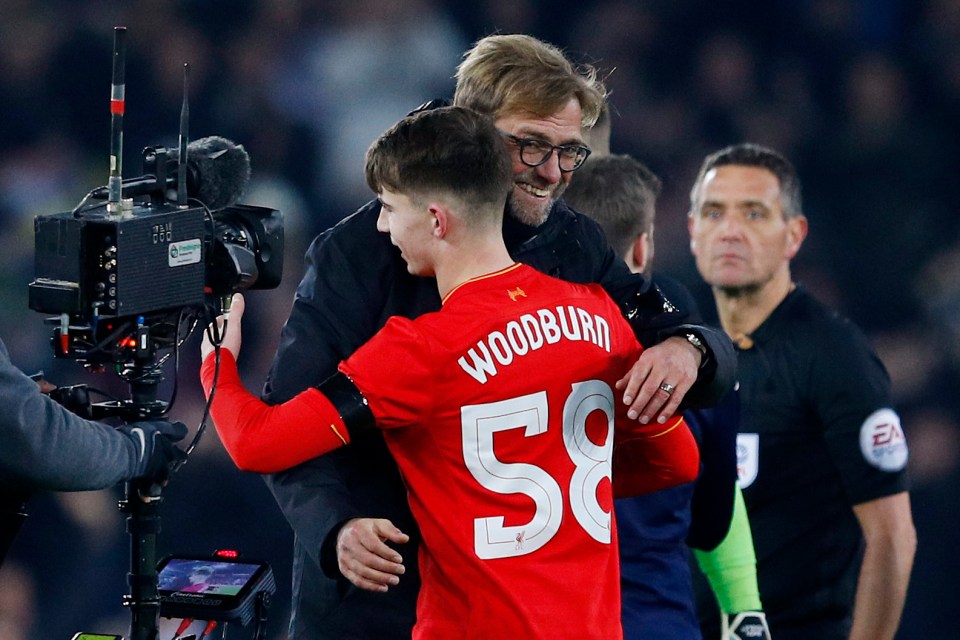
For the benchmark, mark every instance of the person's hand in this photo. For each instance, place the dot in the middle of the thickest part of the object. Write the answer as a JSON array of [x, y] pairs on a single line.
[[156, 451], [363, 556], [746, 625], [657, 382], [232, 338]]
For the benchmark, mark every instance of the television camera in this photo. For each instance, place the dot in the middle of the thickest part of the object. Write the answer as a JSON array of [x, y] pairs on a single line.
[[132, 270], [123, 280]]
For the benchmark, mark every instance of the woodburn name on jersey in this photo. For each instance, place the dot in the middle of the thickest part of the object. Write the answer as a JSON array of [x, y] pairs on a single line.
[[532, 331]]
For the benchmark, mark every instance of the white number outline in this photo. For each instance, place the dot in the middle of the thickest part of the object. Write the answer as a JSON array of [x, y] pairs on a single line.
[[592, 463]]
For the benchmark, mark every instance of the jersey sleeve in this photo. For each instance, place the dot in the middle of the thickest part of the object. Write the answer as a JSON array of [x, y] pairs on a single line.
[[862, 429], [269, 438], [394, 372], [648, 459]]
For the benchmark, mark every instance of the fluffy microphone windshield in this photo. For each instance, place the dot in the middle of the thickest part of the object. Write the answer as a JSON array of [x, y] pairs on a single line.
[[217, 171]]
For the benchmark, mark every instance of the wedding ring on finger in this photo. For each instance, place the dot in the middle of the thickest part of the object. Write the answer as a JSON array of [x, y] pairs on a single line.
[[667, 387]]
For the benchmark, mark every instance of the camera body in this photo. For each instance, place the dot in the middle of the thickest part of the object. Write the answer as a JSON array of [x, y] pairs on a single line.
[[153, 258], [115, 274], [110, 266]]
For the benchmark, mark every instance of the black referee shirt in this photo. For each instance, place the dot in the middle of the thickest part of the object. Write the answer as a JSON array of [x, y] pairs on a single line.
[[818, 435]]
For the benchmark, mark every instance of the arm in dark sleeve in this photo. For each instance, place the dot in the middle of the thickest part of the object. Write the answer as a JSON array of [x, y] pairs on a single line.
[[720, 365], [338, 306], [656, 316], [712, 503], [47, 447]]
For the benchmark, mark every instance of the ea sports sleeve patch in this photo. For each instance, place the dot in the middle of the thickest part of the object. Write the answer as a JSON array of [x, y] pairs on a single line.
[[882, 441]]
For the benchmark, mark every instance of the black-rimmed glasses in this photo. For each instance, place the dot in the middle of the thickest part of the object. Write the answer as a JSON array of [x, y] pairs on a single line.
[[534, 152]]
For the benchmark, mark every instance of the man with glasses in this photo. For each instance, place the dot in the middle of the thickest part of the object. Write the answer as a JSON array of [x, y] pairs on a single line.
[[534, 152], [349, 507], [514, 506]]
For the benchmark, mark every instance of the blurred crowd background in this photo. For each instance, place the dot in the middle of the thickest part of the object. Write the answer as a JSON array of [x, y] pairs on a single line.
[[863, 95]]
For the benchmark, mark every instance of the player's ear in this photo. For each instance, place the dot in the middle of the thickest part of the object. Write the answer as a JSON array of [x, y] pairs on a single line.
[[440, 220], [642, 251], [796, 233]]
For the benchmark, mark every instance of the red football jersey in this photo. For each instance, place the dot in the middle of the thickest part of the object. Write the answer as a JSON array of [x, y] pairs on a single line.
[[499, 411]]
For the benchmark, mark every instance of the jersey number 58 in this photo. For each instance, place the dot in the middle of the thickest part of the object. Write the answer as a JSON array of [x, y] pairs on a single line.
[[592, 463]]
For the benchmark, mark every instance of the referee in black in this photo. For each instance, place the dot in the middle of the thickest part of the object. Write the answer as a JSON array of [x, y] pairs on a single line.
[[821, 453]]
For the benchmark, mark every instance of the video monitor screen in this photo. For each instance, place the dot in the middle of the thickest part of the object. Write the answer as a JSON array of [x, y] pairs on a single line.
[[190, 575]]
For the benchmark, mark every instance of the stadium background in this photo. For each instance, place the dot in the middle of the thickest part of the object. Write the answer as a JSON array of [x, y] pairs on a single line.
[[862, 94]]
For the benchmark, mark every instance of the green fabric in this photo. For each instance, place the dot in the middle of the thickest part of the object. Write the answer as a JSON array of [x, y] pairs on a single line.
[[731, 568]]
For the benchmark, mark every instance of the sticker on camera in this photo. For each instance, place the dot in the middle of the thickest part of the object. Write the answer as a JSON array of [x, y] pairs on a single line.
[[185, 252]]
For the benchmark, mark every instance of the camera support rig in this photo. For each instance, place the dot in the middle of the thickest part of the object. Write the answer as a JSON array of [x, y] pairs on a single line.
[[123, 271]]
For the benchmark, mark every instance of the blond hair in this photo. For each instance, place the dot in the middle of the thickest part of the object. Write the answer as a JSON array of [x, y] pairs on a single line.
[[515, 74]]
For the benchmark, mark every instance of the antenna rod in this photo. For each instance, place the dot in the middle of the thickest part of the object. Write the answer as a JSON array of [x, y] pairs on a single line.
[[117, 105], [184, 138]]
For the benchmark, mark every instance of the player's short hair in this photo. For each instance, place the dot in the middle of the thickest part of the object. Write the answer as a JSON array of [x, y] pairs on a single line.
[[753, 155], [516, 74], [619, 192], [449, 151]]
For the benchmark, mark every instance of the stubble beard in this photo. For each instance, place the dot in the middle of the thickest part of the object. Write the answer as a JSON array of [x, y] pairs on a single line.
[[529, 213]]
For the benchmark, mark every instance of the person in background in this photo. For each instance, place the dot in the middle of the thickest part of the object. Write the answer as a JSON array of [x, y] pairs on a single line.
[[620, 193], [502, 400], [199, 580], [338, 505], [822, 452], [46, 447]]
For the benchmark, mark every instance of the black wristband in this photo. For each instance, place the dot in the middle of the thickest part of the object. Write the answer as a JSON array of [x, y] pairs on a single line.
[[349, 403]]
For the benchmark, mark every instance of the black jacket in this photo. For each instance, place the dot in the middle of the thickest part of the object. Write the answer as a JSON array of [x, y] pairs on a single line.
[[354, 282]]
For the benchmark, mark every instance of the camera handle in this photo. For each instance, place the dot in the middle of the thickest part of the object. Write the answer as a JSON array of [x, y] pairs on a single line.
[[142, 506]]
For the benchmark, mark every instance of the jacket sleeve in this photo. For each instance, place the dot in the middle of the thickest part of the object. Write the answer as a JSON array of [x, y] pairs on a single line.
[[712, 503], [656, 316], [45, 446], [338, 306]]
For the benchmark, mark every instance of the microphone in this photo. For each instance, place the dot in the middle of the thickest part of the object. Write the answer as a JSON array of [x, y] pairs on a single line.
[[217, 171]]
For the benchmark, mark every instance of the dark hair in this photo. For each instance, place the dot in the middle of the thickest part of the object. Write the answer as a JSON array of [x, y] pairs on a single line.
[[753, 155], [449, 149], [618, 192]]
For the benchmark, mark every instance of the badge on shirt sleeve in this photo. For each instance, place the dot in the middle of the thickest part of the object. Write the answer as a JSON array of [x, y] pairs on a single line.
[[882, 441], [748, 458]]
